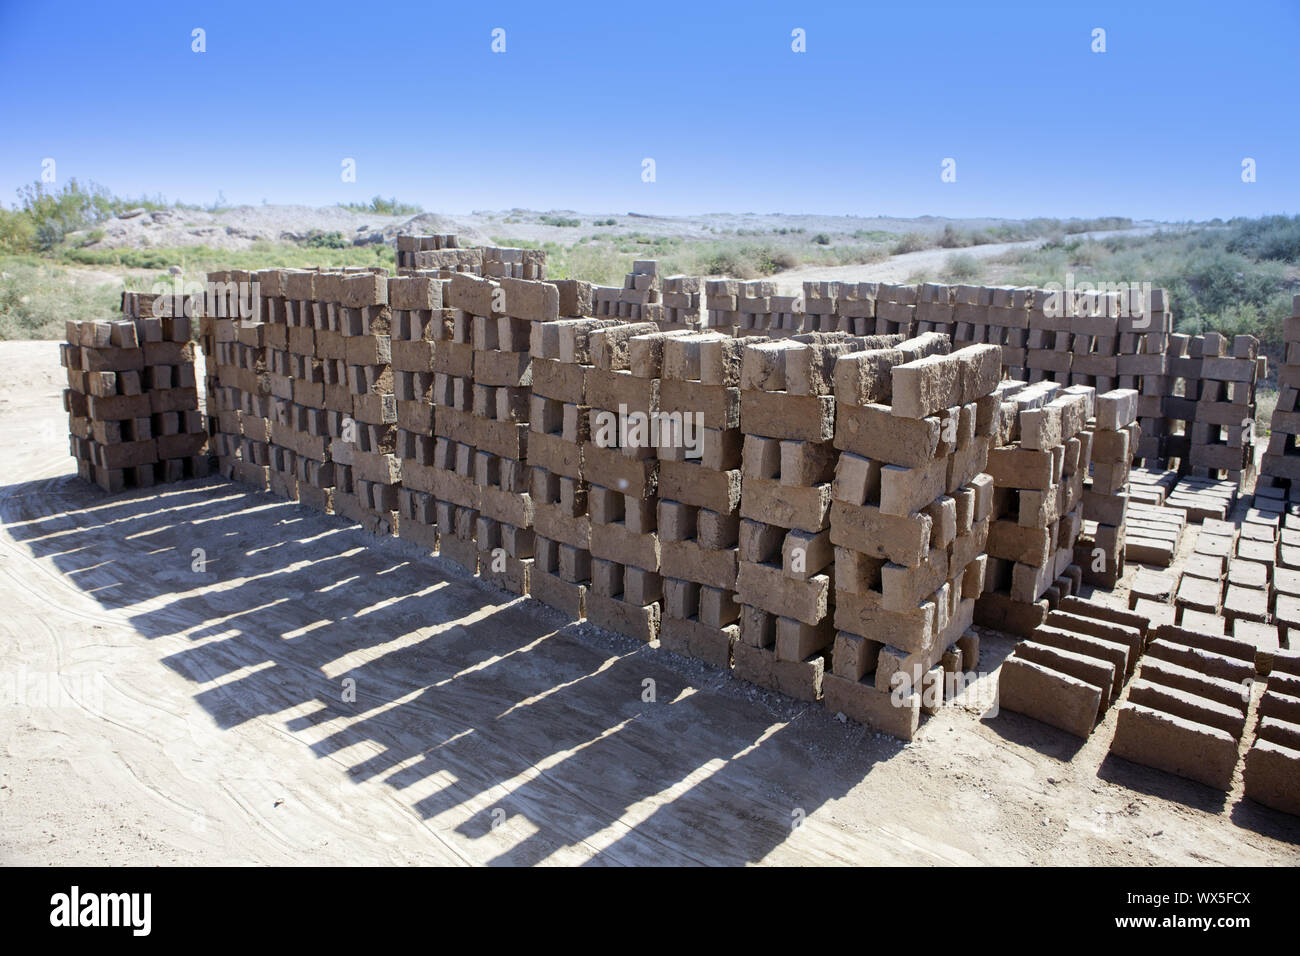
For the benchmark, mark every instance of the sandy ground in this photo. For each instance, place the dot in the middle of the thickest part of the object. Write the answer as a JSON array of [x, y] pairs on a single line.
[[926, 261], [242, 226], [155, 711]]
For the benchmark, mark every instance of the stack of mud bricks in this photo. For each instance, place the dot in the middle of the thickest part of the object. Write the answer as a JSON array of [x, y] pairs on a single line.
[[1222, 429], [243, 389], [1286, 570], [1281, 464], [785, 563], [722, 304], [1048, 341], [500, 413], [854, 306], [620, 464], [441, 258], [909, 522], [109, 417], [127, 407], [511, 263], [1272, 770], [281, 312], [559, 422], [997, 316], [1041, 456], [218, 336], [895, 309], [699, 495], [312, 423], [1007, 321], [452, 485], [822, 303], [1148, 362], [313, 413], [683, 303], [639, 298], [163, 326], [754, 305], [970, 313], [1100, 549], [764, 312], [367, 472], [419, 323], [1094, 344], [1072, 667], [936, 307], [409, 246], [1186, 709]]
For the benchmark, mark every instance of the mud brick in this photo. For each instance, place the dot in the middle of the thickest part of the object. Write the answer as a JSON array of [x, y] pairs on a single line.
[[854, 656], [631, 620], [1263, 637], [1176, 745], [767, 587], [1243, 603], [1050, 696], [905, 490], [1024, 468], [1081, 666], [1153, 586], [1001, 612], [903, 540], [1207, 662], [910, 631], [872, 431], [128, 454], [780, 415], [1272, 773], [806, 509], [797, 641], [1116, 655], [897, 715], [689, 561]]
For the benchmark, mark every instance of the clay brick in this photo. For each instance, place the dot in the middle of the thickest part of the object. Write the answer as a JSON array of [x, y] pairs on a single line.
[[1047, 695], [1176, 745]]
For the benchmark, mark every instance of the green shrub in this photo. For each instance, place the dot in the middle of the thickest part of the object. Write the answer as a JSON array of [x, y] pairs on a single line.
[[963, 267], [326, 240], [822, 239], [560, 221], [36, 299], [1273, 237], [384, 207], [910, 242], [950, 238], [17, 233]]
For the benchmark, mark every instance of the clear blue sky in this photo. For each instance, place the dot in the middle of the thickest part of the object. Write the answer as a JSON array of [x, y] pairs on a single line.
[[1038, 124]]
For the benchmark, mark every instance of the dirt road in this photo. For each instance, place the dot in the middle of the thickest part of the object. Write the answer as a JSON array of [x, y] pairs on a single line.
[[927, 261], [174, 691]]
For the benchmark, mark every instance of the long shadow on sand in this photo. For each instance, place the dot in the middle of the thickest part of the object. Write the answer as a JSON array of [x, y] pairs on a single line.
[[472, 704]]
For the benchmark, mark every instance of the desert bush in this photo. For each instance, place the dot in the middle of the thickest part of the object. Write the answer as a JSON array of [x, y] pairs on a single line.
[[17, 232], [951, 238], [326, 240], [962, 267], [384, 207], [1270, 238], [36, 299], [910, 242]]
